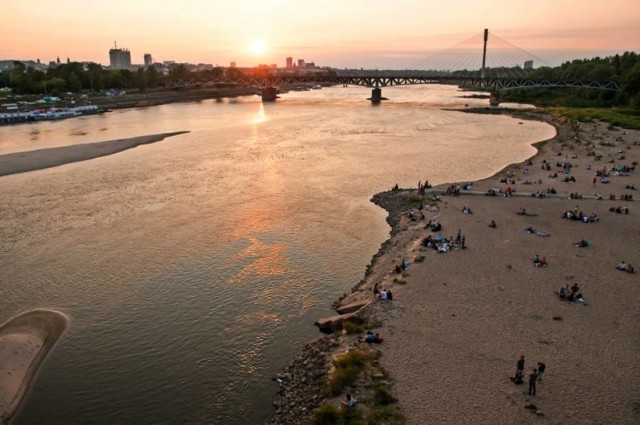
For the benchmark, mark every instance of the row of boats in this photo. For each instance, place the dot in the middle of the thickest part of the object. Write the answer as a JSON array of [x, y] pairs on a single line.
[[47, 114]]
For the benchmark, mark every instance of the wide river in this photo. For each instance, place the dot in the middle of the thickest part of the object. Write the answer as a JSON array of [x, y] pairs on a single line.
[[192, 269]]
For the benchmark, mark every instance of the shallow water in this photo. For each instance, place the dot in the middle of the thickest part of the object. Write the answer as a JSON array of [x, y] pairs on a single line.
[[192, 269]]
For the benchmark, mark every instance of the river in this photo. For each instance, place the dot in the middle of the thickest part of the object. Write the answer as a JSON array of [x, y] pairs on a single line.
[[192, 269]]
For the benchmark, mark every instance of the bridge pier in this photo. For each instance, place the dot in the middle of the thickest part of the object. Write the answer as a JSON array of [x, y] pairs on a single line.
[[376, 95], [269, 94]]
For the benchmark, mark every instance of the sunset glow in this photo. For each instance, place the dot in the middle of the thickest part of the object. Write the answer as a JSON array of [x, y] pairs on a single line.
[[359, 33]]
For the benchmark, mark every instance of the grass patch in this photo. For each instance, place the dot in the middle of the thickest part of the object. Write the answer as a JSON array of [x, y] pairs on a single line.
[[347, 367], [329, 414], [415, 198], [355, 327], [420, 258], [382, 396], [616, 117], [387, 415]]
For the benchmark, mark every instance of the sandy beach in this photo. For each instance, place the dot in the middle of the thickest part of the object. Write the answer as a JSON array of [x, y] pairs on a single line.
[[25, 341], [21, 162], [460, 320]]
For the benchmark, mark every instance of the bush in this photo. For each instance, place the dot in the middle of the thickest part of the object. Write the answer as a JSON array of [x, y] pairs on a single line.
[[327, 414], [352, 327], [382, 396], [347, 368]]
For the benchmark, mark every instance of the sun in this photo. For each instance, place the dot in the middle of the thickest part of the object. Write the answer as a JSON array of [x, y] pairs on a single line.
[[258, 47]]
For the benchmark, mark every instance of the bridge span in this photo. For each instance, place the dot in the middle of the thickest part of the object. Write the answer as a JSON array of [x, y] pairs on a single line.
[[376, 82]]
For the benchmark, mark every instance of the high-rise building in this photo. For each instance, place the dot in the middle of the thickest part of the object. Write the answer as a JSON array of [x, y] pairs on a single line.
[[289, 62], [119, 58], [148, 60], [528, 64], [300, 63]]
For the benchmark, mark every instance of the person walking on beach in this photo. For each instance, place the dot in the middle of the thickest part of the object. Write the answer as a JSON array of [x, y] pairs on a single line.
[[533, 377], [520, 366]]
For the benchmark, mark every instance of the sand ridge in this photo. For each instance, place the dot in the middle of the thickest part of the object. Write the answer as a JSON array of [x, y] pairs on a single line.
[[21, 162], [25, 341]]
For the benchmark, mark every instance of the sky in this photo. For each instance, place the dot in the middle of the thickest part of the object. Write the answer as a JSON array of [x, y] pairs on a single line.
[[383, 34]]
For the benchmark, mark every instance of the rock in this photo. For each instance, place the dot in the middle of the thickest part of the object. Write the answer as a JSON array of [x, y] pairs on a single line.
[[333, 323], [351, 308]]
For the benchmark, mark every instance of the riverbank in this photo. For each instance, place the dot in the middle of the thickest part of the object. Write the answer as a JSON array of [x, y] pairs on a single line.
[[460, 320], [21, 162], [25, 341]]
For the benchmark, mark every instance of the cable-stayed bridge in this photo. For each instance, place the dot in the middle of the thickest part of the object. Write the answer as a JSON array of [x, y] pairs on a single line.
[[482, 62]]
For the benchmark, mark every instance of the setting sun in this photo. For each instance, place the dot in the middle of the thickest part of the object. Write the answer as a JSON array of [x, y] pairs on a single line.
[[258, 47]]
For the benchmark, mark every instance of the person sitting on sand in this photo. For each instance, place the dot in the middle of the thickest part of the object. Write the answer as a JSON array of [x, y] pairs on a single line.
[[405, 264], [466, 210], [544, 234], [349, 401], [622, 266], [383, 294], [521, 211], [537, 261], [543, 261], [493, 224], [529, 229], [373, 339], [582, 243], [564, 292]]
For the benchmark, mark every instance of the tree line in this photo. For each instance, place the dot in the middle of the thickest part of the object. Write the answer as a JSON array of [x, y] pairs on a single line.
[[75, 77], [624, 68]]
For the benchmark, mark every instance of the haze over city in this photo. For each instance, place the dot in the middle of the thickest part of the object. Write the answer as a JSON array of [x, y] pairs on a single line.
[[359, 33]]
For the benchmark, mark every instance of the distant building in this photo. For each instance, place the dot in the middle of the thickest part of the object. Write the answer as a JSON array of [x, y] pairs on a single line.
[[528, 64], [233, 64], [148, 60], [301, 63], [289, 62], [120, 58], [168, 63], [310, 65]]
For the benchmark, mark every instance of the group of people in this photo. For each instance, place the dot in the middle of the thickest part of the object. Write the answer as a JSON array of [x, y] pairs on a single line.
[[441, 244], [466, 210], [576, 215], [620, 210], [433, 225], [384, 294], [576, 195], [540, 262], [416, 215], [495, 191], [534, 376], [625, 267], [570, 294]]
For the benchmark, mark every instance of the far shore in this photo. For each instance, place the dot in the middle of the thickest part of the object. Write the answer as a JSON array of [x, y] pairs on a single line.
[[25, 341], [21, 162]]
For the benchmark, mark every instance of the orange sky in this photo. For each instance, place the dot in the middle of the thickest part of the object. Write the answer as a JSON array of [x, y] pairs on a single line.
[[367, 33]]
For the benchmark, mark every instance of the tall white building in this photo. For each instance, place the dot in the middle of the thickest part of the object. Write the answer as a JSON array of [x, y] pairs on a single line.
[[120, 58]]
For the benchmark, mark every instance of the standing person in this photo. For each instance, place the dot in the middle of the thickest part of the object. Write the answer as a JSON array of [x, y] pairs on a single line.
[[520, 366], [533, 377], [541, 368]]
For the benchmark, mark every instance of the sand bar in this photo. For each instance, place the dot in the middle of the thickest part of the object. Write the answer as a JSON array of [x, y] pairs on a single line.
[[21, 162], [460, 320], [25, 341]]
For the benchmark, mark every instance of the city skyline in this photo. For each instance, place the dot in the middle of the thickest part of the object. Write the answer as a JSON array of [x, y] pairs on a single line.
[[370, 34]]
